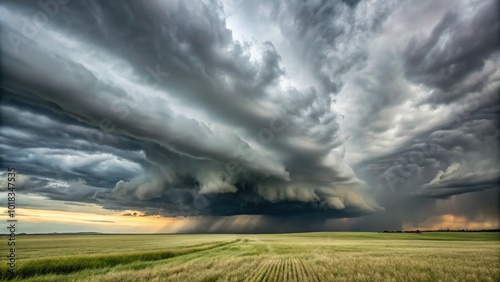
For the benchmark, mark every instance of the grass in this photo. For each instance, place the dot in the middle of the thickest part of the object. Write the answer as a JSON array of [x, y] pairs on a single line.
[[65, 265], [319, 256]]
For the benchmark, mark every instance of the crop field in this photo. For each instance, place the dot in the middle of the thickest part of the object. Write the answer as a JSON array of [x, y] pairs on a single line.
[[338, 256]]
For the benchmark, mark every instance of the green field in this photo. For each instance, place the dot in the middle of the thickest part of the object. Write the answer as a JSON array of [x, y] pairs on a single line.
[[322, 256]]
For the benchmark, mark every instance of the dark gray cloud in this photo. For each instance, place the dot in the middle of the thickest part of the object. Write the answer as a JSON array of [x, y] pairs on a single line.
[[455, 48], [316, 109]]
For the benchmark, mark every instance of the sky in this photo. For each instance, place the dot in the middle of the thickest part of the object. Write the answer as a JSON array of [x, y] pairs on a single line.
[[250, 116]]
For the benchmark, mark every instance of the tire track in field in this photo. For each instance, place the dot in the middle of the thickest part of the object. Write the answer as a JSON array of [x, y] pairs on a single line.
[[301, 275], [258, 272], [278, 272], [294, 270], [281, 275], [270, 270], [261, 271], [287, 269], [273, 274], [309, 272]]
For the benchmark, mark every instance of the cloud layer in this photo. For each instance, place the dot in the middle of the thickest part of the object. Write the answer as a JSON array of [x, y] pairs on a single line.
[[316, 110]]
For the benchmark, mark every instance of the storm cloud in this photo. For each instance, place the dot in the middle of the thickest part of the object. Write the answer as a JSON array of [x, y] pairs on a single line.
[[292, 113]]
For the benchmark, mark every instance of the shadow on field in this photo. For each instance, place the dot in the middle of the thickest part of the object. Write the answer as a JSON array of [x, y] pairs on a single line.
[[66, 265]]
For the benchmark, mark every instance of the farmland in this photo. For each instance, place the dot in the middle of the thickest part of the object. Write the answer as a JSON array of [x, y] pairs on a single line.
[[321, 256]]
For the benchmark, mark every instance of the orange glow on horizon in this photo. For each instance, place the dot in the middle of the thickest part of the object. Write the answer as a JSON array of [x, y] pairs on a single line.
[[452, 222], [116, 221]]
